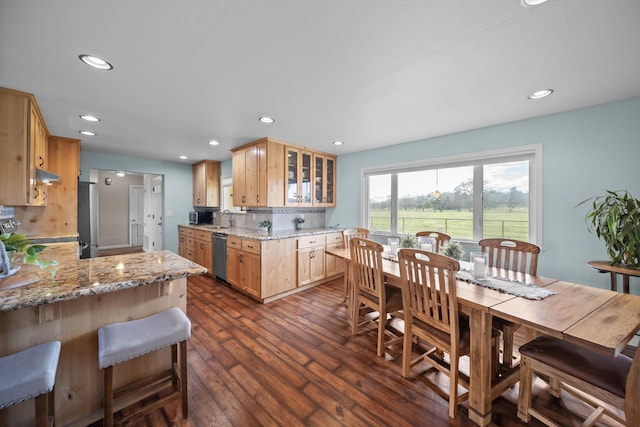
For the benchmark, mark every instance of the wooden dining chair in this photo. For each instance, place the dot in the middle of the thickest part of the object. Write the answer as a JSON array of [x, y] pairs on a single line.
[[431, 313], [371, 291], [588, 374], [514, 255], [347, 235], [441, 238]]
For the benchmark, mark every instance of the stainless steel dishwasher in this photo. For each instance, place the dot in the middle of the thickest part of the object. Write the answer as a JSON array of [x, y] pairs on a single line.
[[220, 256]]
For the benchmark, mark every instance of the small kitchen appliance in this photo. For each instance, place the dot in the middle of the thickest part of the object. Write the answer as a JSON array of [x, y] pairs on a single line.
[[200, 217]]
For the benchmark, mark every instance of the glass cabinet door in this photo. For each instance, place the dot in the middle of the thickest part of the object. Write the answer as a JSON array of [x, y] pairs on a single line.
[[299, 169], [324, 176], [292, 176]]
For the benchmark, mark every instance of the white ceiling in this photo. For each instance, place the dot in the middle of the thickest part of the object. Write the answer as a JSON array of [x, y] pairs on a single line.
[[371, 73]]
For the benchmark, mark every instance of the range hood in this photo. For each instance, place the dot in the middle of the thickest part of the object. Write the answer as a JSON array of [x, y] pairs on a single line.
[[46, 176]]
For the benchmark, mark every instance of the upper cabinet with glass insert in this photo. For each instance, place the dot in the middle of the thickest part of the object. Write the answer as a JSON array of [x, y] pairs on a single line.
[[283, 174], [324, 185], [299, 169]]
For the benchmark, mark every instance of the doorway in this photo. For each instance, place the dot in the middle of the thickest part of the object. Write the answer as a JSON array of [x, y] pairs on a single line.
[[130, 209]]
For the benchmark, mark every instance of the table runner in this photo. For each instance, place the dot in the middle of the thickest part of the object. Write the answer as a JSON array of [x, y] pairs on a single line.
[[511, 287]]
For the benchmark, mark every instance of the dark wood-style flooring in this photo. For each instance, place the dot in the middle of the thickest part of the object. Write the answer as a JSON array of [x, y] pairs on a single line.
[[293, 362]]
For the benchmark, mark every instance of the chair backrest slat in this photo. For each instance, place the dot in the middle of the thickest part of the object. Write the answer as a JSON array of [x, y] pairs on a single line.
[[512, 254]]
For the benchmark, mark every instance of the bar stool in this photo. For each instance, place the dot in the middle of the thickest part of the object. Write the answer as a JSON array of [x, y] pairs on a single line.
[[31, 374], [119, 342]]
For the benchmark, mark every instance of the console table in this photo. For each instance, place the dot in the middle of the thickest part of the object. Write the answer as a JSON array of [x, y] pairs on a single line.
[[614, 270]]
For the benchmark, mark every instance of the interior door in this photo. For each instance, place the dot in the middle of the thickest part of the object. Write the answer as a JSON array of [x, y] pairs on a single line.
[[136, 215]]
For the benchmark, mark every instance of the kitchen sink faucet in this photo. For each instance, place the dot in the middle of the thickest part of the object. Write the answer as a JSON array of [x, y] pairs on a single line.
[[227, 212]]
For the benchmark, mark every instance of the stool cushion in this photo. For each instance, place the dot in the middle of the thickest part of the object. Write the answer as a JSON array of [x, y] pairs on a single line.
[[118, 342], [607, 373], [29, 373]]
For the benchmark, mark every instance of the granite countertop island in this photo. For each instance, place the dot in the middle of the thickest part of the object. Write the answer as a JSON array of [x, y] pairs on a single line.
[[78, 278], [72, 305]]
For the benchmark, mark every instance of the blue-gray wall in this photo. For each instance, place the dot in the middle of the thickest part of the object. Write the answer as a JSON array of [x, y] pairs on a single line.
[[584, 152], [177, 186]]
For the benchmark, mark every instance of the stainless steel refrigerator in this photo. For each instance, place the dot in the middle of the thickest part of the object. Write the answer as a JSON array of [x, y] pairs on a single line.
[[88, 219]]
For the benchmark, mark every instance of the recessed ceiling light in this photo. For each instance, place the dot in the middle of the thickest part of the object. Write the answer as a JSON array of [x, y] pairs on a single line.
[[527, 3], [214, 142], [540, 94], [120, 174], [265, 119], [95, 62], [89, 118], [337, 142], [87, 132], [183, 157]]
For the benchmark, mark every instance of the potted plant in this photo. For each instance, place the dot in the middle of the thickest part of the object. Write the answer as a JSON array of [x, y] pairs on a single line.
[[452, 249], [299, 222], [408, 241], [615, 218], [265, 224], [12, 247]]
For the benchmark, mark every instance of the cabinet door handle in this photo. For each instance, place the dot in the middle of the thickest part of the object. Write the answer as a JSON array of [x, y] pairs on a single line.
[[36, 192], [257, 198], [41, 161]]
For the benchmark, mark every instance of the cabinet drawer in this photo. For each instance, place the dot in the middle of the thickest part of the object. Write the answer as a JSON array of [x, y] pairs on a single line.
[[311, 241], [234, 242], [202, 235], [252, 246], [334, 238], [191, 243]]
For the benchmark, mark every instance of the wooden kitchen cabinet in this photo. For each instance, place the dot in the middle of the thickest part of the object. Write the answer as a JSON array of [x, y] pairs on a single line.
[[186, 243], [206, 183], [262, 269], [311, 259], [324, 184], [203, 250], [257, 172], [197, 246], [243, 265], [299, 176], [23, 138], [333, 265]]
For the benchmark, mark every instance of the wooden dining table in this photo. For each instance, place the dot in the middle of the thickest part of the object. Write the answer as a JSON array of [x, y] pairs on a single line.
[[600, 319]]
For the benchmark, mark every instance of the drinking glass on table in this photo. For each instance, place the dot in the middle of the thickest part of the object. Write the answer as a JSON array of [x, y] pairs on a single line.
[[427, 243], [393, 243], [479, 265]]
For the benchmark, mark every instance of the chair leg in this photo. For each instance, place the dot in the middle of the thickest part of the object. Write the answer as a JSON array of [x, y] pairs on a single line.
[[524, 394], [183, 380], [382, 323], [406, 350], [345, 297], [42, 410], [51, 405], [108, 396], [453, 385]]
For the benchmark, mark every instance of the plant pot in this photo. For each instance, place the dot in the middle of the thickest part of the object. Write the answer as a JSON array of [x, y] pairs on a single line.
[[299, 226]]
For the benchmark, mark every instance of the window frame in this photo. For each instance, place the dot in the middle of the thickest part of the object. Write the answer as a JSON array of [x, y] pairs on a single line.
[[533, 153]]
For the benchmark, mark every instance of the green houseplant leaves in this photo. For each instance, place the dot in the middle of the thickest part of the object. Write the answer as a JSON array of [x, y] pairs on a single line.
[[615, 218]]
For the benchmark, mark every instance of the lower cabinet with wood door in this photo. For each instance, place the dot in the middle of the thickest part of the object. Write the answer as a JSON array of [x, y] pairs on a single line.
[[196, 245], [263, 269]]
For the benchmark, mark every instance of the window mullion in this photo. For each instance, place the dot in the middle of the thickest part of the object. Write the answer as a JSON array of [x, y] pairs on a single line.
[[394, 203], [478, 208]]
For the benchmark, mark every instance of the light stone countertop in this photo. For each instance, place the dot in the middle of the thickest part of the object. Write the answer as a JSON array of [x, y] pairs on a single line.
[[250, 233], [78, 278]]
